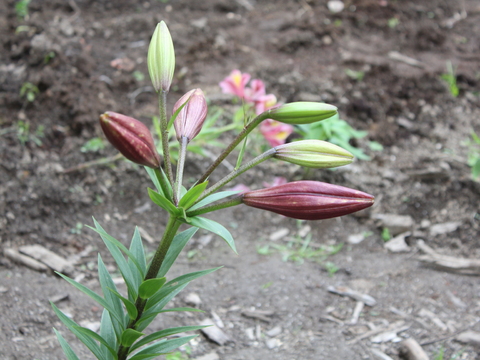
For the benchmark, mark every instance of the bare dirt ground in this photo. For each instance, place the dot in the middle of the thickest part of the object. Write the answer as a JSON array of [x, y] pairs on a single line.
[[302, 51]]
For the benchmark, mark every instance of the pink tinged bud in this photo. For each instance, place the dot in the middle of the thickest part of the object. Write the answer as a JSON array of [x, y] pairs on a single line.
[[235, 83], [131, 137], [309, 200], [314, 154], [190, 119]]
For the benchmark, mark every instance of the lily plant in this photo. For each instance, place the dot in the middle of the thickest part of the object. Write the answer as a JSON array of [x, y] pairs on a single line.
[[124, 331]]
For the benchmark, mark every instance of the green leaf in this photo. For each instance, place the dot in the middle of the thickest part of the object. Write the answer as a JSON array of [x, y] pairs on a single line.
[[241, 154], [476, 169], [97, 337], [162, 201], [93, 295], [214, 227], [67, 350], [153, 176], [129, 336], [150, 287], [108, 333], [164, 333], [192, 195], [188, 309], [106, 282], [147, 318], [178, 243], [161, 347], [156, 299], [130, 306], [116, 247], [72, 325], [137, 250], [212, 198]]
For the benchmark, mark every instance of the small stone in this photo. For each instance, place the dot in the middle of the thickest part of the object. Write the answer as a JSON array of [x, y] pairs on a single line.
[[469, 337], [273, 343], [439, 229], [250, 332], [396, 224], [277, 330], [398, 243], [209, 356], [335, 6], [355, 238], [279, 234], [214, 333], [193, 299]]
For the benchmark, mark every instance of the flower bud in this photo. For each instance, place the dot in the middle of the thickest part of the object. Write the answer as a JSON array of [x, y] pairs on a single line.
[[309, 200], [190, 119], [314, 154], [131, 137], [302, 112], [161, 58]]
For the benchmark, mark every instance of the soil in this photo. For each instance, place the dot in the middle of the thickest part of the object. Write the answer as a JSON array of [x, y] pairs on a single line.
[[303, 52]]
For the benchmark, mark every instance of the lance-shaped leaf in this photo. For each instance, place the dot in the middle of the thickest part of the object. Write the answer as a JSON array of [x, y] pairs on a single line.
[[212, 198], [163, 202], [309, 200], [149, 287], [164, 333], [131, 137], [192, 195], [178, 243], [129, 336], [214, 227], [162, 347], [313, 153], [69, 353]]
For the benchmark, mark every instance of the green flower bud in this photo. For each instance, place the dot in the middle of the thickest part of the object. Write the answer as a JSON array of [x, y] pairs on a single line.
[[302, 112], [131, 137], [161, 58], [313, 154]]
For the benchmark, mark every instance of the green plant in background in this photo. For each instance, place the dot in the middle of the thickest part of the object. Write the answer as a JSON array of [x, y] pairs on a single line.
[[386, 236], [29, 91], [93, 145], [474, 155], [355, 75], [25, 133], [126, 316], [441, 354], [450, 78], [21, 8]]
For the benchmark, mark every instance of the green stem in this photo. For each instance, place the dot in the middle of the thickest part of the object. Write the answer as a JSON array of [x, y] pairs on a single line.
[[246, 130], [155, 265], [180, 165], [162, 105], [223, 205], [265, 156]]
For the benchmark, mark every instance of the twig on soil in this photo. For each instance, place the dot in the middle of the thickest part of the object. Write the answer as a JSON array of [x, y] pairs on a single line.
[[413, 350], [88, 164], [448, 263], [396, 327], [395, 55]]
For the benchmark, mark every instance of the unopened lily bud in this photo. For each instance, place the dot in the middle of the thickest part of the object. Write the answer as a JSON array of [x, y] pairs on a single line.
[[131, 137], [191, 117], [161, 58], [302, 112], [314, 154], [309, 200]]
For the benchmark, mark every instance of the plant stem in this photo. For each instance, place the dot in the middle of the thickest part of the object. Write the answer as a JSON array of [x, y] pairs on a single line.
[[170, 231], [180, 166], [223, 205], [265, 156], [246, 130], [162, 105]]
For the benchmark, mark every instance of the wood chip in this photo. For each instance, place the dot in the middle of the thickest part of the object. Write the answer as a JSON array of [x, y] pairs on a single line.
[[380, 355], [357, 311], [14, 255], [258, 314], [214, 333], [469, 337], [412, 350], [345, 291], [448, 263], [434, 318], [398, 243], [145, 235], [48, 257], [395, 55]]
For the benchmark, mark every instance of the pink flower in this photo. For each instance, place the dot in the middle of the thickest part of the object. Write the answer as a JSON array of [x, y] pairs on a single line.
[[235, 83], [275, 132], [242, 188], [277, 180], [255, 91], [264, 103]]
